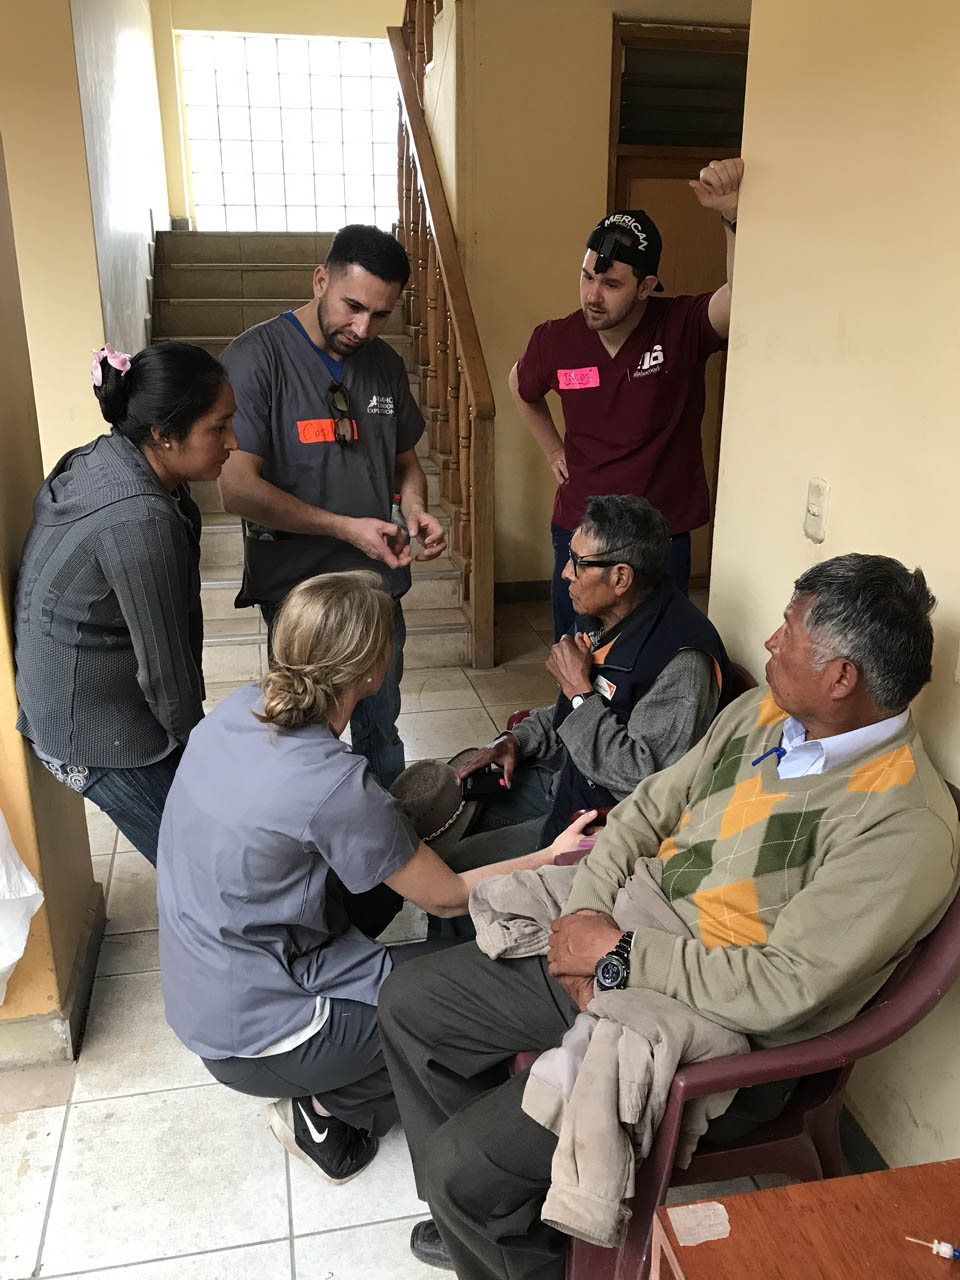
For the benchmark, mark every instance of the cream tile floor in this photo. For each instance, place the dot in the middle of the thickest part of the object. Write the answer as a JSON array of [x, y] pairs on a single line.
[[131, 1164]]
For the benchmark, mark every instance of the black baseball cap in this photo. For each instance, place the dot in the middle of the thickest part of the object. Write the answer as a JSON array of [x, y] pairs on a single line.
[[644, 247]]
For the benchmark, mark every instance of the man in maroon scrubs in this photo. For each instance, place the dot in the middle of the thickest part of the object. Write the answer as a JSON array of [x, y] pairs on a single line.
[[629, 370]]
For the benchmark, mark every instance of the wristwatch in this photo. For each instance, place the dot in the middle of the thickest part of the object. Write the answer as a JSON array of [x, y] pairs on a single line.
[[613, 969], [579, 698]]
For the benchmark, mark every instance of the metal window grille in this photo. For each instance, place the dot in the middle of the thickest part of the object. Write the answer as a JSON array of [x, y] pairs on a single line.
[[287, 133]]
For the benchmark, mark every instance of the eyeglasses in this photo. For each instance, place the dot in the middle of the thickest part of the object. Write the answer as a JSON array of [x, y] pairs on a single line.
[[344, 427], [589, 562]]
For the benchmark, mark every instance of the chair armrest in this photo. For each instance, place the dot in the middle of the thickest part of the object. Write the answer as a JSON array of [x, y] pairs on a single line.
[[761, 1066], [516, 718]]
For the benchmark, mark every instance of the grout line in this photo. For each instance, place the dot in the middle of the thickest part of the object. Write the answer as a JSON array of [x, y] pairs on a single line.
[[358, 1226], [144, 1093], [293, 1250], [53, 1177], [173, 1257]]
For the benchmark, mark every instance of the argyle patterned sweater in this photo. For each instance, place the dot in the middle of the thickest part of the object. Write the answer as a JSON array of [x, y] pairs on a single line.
[[802, 894]]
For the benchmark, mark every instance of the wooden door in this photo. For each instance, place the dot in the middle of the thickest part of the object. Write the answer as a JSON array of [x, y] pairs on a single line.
[[693, 261]]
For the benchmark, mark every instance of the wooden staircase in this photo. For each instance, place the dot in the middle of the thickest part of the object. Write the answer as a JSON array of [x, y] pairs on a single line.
[[208, 288]]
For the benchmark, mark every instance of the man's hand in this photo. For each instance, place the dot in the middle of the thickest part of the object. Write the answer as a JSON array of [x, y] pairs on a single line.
[[718, 186], [504, 751], [429, 531], [580, 990], [558, 465], [375, 538], [577, 942], [570, 664]]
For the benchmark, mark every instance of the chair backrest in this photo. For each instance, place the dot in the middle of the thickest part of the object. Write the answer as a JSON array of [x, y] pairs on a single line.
[[740, 680]]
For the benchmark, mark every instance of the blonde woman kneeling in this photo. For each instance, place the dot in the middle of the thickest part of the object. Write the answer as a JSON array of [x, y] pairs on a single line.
[[276, 841]]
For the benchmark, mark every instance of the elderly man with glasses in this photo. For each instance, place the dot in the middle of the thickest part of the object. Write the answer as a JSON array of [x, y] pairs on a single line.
[[641, 675]]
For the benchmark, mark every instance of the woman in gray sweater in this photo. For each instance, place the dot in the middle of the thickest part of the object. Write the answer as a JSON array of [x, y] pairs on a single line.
[[109, 630]]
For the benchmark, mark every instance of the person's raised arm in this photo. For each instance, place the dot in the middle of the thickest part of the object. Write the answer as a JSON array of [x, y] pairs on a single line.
[[539, 420], [718, 188]]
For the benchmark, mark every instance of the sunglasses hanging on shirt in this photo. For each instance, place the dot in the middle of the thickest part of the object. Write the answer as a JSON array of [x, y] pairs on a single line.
[[344, 427]]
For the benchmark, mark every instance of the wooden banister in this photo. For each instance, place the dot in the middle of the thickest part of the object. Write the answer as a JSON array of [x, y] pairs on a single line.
[[455, 386]]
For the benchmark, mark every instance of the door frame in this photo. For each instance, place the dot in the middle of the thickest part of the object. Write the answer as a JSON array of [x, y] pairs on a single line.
[[657, 35], [665, 162]]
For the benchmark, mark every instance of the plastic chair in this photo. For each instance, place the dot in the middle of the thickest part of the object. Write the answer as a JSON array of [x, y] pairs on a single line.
[[804, 1140]]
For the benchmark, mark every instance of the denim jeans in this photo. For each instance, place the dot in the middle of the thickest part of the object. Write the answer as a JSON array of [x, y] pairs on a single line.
[[563, 615], [373, 725], [134, 799]]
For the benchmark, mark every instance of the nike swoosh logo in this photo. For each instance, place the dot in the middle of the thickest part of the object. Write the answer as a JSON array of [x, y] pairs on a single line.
[[314, 1133]]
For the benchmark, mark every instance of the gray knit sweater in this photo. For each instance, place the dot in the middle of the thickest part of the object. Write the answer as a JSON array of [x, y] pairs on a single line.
[[109, 632]]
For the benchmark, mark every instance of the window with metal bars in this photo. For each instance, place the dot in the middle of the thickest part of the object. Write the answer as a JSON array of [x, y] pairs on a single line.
[[287, 133]]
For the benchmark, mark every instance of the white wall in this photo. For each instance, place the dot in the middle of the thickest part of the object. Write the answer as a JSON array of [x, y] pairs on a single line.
[[121, 126]]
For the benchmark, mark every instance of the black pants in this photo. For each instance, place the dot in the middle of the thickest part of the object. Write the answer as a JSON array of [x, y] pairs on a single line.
[[341, 1065], [449, 1027]]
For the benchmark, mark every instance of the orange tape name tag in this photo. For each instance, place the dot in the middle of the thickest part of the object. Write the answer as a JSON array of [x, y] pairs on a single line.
[[320, 430]]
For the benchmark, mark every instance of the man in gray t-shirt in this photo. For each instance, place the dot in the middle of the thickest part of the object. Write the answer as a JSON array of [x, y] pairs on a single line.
[[326, 427]]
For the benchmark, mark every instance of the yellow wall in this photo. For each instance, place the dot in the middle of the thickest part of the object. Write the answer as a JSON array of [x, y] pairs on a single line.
[[445, 101], [121, 124], [369, 18], [44, 818], [843, 365], [536, 138], [50, 201]]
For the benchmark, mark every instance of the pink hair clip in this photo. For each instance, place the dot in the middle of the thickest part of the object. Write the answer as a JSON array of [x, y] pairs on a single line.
[[112, 356]]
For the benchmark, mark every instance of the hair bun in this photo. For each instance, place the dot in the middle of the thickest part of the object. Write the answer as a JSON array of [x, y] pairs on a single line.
[[113, 394], [294, 696]]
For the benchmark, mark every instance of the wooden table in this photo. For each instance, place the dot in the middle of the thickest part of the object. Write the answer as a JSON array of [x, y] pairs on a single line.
[[842, 1229]]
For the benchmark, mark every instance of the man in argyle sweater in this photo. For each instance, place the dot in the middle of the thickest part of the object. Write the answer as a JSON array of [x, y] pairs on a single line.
[[808, 843]]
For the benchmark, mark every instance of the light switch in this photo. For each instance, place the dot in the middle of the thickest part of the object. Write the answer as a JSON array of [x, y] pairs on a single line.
[[815, 516]]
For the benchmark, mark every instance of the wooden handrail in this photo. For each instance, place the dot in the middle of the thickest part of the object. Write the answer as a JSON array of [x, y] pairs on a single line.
[[441, 225], [455, 385]]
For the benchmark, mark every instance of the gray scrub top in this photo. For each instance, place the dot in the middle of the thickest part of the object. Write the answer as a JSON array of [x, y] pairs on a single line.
[[257, 825], [285, 416]]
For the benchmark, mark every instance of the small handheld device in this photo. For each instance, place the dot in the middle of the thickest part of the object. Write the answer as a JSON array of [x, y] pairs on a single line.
[[485, 784]]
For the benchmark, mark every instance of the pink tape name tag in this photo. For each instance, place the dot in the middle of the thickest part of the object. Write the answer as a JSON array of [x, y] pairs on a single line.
[[574, 379]]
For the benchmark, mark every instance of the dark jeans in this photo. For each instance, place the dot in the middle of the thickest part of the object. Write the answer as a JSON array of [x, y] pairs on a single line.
[[373, 725], [134, 799], [563, 615], [449, 1029]]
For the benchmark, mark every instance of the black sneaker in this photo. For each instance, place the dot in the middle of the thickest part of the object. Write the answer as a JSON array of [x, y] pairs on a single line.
[[337, 1150], [426, 1246]]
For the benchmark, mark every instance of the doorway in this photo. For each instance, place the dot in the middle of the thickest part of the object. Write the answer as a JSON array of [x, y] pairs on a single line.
[[677, 104]]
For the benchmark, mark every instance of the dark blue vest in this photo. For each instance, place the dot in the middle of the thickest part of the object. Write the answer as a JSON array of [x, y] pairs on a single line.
[[630, 657]]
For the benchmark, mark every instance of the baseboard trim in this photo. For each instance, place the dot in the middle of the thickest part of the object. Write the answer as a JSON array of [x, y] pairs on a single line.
[[56, 1036], [521, 592], [862, 1156]]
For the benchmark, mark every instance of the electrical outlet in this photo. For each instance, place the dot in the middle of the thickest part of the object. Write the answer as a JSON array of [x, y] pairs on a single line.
[[815, 515]]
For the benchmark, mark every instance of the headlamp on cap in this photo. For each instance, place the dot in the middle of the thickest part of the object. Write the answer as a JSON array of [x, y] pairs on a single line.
[[628, 236]]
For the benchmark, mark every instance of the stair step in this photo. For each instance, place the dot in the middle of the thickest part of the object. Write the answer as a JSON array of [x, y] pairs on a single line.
[[210, 317], [235, 650], [400, 342], [253, 247]]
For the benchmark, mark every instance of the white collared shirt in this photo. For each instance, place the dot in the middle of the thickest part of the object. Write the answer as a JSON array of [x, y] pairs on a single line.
[[817, 755]]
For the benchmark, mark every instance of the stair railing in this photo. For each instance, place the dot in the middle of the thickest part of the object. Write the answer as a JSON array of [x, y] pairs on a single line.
[[455, 387]]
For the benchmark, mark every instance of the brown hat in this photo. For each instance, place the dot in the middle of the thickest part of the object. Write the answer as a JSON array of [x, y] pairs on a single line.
[[431, 796]]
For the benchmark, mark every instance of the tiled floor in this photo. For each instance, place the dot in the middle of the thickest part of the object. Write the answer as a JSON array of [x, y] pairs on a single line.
[[132, 1164]]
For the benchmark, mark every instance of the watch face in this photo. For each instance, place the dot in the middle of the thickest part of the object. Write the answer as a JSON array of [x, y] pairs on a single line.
[[611, 973]]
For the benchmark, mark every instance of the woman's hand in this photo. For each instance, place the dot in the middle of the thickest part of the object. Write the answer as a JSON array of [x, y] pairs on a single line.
[[571, 837]]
